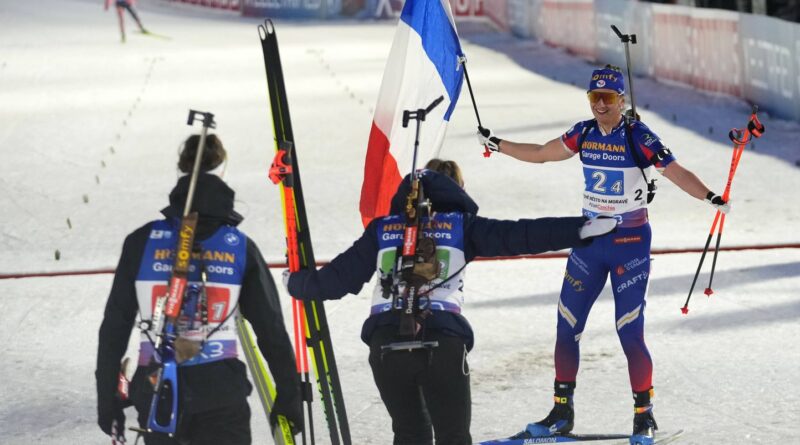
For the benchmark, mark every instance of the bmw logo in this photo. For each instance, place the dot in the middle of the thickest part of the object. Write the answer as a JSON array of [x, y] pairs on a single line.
[[231, 239]]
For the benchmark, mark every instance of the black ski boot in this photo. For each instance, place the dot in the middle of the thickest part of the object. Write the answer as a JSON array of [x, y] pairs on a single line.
[[644, 424], [561, 418]]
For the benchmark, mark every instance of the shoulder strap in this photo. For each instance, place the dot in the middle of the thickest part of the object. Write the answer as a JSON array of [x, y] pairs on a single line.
[[651, 185], [582, 137]]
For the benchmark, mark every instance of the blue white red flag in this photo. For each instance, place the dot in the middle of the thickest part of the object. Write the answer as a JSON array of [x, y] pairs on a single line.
[[423, 64]]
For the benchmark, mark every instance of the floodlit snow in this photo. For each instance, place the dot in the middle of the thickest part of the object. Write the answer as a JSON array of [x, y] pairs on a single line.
[[89, 132]]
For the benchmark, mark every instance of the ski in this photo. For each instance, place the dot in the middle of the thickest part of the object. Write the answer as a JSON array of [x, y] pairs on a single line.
[[316, 329], [261, 380], [155, 35], [616, 439]]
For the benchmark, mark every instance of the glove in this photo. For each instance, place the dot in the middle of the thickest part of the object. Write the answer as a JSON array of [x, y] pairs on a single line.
[[488, 139], [597, 226], [289, 407], [111, 418], [717, 202]]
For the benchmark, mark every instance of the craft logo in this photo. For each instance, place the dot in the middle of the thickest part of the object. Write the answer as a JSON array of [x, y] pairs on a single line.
[[642, 276]]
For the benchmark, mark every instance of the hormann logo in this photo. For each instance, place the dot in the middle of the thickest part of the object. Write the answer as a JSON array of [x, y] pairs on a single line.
[[440, 225], [591, 145], [207, 255]]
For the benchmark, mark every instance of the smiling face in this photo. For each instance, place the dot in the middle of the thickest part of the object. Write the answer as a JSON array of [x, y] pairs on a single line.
[[607, 106]]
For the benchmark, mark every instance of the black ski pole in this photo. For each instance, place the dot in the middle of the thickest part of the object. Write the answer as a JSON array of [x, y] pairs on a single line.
[[626, 39], [463, 61]]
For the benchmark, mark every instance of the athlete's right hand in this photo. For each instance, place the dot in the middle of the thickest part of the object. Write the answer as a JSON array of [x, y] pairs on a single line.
[[488, 139]]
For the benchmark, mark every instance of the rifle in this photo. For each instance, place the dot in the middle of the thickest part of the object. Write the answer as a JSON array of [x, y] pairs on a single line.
[[417, 263], [163, 415]]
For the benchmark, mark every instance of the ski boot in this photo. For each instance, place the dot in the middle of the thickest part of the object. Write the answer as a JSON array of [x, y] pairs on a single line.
[[644, 424], [561, 419]]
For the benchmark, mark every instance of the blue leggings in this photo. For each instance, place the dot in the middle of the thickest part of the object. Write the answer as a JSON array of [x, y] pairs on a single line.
[[625, 254]]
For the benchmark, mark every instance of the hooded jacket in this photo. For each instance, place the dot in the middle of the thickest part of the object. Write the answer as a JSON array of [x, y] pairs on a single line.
[[207, 386], [486, 237]]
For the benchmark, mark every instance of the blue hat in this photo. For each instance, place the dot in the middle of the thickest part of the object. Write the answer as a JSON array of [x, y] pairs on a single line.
[[607, 78]]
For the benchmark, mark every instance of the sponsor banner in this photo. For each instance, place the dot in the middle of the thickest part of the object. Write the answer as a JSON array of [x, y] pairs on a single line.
[[233, 5], [319, 9], [698, 47], [620, 13], [390, 9], [497, 12], [520, 17], [570, 24], [771, 61]]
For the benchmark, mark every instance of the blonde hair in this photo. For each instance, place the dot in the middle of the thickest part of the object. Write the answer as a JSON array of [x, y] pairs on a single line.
[[447, 168]]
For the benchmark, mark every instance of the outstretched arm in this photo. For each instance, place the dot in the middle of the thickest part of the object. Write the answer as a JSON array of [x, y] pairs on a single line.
[[691, 184], [345, 274], [686, 180], [488, 237], [554, 150]]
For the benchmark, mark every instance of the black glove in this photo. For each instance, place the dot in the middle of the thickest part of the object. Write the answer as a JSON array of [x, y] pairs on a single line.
[[488, 139], [289, 407], [111, 418], [717, 202]]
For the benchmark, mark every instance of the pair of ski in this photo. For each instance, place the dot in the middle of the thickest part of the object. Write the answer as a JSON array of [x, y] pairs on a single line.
[[310, 322], [616, 439]]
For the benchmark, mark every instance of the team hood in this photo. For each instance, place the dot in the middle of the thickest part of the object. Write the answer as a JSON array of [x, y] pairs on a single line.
[[445, 194]]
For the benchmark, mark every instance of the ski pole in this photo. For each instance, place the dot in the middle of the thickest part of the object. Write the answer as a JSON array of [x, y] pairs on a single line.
[[463, 61], [626, 39], [740, 138], [734, 164], [754, 129]]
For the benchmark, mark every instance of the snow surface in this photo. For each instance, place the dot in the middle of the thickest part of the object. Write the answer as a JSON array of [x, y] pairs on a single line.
[[89, 134]]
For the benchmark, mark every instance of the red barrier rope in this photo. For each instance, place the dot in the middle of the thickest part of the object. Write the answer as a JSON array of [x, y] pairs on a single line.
[[541, 256]]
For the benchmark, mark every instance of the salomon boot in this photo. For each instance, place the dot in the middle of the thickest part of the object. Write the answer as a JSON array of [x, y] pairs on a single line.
[[644, 424], [561, 418]]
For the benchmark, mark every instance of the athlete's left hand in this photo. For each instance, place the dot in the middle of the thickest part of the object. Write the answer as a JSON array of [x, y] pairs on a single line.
[[717, 202], [291, 408]]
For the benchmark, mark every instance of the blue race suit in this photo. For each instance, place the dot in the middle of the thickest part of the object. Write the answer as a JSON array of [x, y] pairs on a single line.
[[614, 185]]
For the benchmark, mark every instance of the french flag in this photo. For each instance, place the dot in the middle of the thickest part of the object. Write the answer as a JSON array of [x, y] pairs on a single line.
[[423, 64]]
